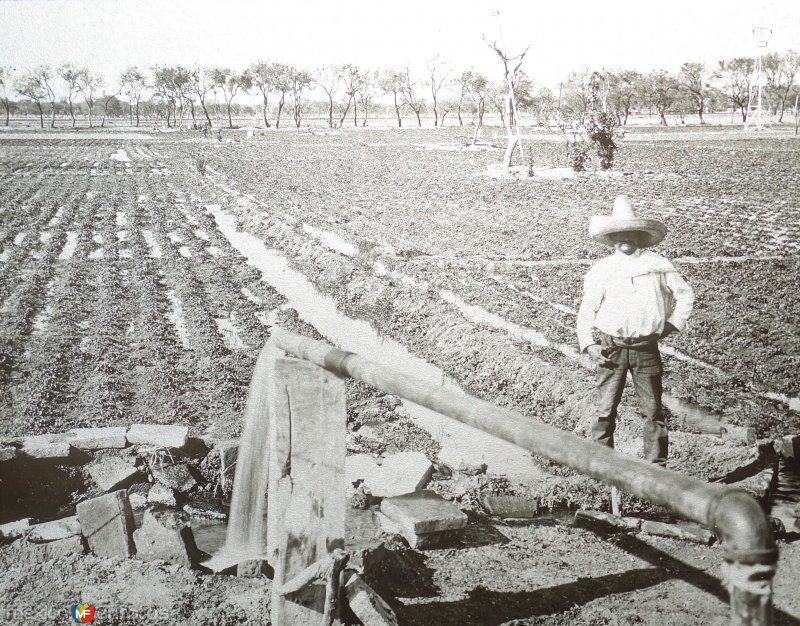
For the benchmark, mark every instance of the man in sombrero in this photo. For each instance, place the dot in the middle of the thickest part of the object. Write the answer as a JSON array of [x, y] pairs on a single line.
[[633, 298]]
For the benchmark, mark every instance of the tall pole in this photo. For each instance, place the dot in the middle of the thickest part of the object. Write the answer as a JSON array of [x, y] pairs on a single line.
[[762, 34]]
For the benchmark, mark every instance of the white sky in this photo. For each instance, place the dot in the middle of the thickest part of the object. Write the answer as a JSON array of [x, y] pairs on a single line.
[[108, 35]]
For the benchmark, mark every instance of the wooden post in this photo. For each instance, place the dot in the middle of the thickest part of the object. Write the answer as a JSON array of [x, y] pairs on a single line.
[[306, 500]]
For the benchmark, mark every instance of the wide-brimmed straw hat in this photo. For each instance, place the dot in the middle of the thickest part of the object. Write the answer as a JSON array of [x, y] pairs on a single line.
[[622, 220]]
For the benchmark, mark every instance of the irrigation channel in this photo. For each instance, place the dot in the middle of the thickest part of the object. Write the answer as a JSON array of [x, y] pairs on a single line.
[[459, 442]]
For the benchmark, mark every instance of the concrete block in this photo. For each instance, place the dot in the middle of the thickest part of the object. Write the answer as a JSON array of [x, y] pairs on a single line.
[[7, 453], [161, 494], [158, 435], [687, 531], [111, 473], [401, 473], [166, 536], [176, 477], [18, 528], [424, 512], [46, 447], [368, 606], [593, 519], [55, 530], [511, 507], [98, 438], [107, 523], [788, 447], [419, 541], [738, 434]]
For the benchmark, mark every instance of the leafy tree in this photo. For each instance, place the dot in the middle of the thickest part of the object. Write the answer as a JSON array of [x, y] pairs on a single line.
[[201, 81], [262, 75], [231, 83], [477, 87], [391, 81], [576, 94], [133, 85], [544, 105], [365, 93], [351, 79], [110, 102], [693, 78], [279, 79], [661, 89], [70, 75], [410, 97], [624, 89], [781, 72], [43, 75], [5, 81], [735, 77], [30, 86], [301, 79], [88, 84]]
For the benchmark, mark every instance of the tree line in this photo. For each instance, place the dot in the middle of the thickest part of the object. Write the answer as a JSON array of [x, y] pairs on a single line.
[[180, 93]]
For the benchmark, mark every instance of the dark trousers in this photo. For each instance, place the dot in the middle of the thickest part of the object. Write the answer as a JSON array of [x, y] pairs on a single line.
[[644, 363]]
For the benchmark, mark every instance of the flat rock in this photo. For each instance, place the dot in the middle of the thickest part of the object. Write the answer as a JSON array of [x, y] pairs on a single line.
[[41, 552], [111, 472], [98, 438], [177, 477], [13, 530], [7, 453], [687, 531], [55, 530], [592, 519], [166, 536], [511, 507], [54, 446], [158, 435], [368, 606], [401, 473], [161, 494], [360, 468], [107, 523], [424, 512], [419, 541]]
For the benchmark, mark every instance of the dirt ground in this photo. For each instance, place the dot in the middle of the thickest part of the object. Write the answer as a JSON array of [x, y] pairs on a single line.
[[122, 301]]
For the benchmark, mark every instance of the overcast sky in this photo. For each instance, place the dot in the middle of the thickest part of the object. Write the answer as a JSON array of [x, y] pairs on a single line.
[[108, 35]]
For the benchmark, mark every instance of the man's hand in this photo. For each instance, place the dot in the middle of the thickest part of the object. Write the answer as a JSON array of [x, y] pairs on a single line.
[[595, 351]]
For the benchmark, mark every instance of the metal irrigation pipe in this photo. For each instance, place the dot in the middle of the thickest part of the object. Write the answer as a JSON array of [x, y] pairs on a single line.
[[748, 546]]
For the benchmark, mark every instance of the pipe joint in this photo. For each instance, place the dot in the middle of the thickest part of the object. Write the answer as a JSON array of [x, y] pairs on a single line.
[[743, 528]]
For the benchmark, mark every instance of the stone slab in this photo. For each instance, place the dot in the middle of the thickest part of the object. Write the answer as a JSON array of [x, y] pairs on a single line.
[[418, 541], [401, 473], [166, 536], [15, 529], [53, 446], [158, 435], [424, 512], [111, 473], [511, 507], [176, 477], [8, 453], [55, 530], [368, 606], [592, 519], [98, 438], [689, 532], [108, 525], [161, 494]]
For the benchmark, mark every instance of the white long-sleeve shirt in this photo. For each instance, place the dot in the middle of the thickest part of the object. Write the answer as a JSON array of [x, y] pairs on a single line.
[[632, 296]]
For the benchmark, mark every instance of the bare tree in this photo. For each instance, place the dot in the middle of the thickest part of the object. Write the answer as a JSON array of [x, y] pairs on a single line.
[[108, 98], [351, 80], [693, 78], [410, 97], [391, 81], [366, 93], [329, 79], [735, 77], [70, 75], [511, 72], [576, 94], [437, 75], [134, 83], [301, 79], [5, 81], [31, 87], [88, 84], [201, 81], [43, 75]]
